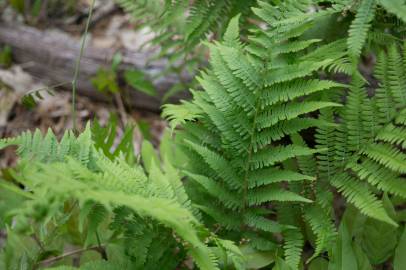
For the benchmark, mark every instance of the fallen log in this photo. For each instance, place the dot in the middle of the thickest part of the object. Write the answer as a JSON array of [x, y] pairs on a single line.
[[51, 56]]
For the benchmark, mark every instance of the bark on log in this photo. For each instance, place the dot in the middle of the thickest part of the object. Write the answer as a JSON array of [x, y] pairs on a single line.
[[51, 56]]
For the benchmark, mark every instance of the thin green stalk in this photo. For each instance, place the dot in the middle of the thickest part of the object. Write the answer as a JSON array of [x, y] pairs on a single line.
[[102, 250], [77, 67]]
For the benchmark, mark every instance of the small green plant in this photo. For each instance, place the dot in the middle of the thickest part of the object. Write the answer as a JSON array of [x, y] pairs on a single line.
[[138, 81], [32, 10], [6, 58], [106, 80]]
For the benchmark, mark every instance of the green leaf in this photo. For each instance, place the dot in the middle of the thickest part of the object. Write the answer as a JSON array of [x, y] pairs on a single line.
[[18, 5], [362, 258], [280, 264], [117, 58], [233, 31], [354, 220], [177, 87], [257, 259], [399, 261], [105, 81], [379, 240], [144, 127], [343, 257], [19, 251], [149, 156], [139, 81], [318, 264], [6, 57], [36, 8], [168, 148]]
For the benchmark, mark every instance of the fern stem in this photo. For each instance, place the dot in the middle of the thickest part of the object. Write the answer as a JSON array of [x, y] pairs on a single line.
[[101, 250], [247, 166], [77, 67], [52, 260]]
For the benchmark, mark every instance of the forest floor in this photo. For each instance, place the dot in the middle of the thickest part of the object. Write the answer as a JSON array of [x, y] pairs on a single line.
[[55, 111], [110, 28]]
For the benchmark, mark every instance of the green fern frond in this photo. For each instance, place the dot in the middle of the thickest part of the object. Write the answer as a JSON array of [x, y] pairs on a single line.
[[393, 134], [293, 246], [323, 228], [384, 96], [381, 177], [386, 155], [47, 149], [256, 94], [358, 194], [397, 7], [360, 26], [180, 114]]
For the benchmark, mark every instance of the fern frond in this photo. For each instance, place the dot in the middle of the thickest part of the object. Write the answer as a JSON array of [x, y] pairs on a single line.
[[397, 7], [386, 155], [358, 194], [323, 228], [293, 246], [181, 113], [384, 96], [360, 26], [381, 177], [393, 135], [256, 94], [47, 149]]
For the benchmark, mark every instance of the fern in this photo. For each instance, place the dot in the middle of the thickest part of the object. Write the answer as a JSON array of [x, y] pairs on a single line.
[[74, 169], [272, 144], [255, 95]]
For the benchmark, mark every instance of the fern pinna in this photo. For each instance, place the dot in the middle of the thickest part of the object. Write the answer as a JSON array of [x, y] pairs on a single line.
[[255, 95], [143, 210]]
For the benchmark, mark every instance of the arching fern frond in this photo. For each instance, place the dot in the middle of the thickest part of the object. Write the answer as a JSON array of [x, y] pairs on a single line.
[[87, 176]]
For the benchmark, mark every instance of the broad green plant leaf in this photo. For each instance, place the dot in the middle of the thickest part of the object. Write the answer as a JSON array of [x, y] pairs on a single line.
[[399, 261], [140, 82]]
